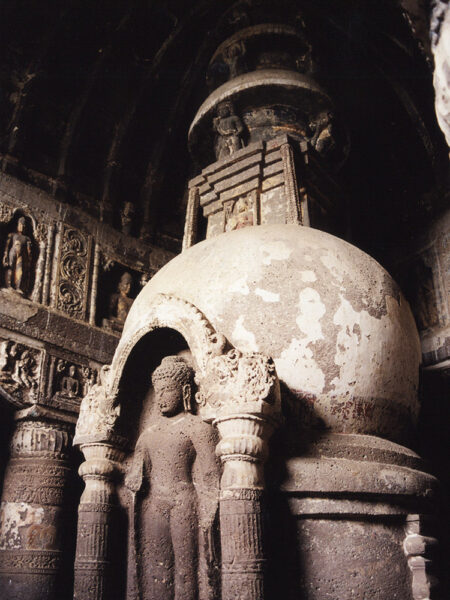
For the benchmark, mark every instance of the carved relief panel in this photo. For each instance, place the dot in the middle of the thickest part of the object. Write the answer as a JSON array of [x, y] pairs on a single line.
[[240, 212], [73, 268], [20, 371], [69, 383]]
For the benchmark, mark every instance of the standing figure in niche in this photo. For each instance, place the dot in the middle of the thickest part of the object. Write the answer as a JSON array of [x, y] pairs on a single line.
[[229, 127], [119, 304], [17, 259], [175, 478]]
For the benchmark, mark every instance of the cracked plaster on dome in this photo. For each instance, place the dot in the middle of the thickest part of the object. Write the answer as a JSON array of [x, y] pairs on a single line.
[[335, 306]]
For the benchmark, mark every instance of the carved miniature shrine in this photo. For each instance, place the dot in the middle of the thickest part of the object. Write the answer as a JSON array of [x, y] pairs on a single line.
[[208, 341]]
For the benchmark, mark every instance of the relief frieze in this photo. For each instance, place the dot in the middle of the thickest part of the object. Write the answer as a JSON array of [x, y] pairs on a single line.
[[20, 369]]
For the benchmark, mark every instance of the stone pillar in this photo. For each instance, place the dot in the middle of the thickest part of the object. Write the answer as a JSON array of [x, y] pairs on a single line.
[[33, 520], [242, 392], [242, 449], [191, 225], [97, 510]]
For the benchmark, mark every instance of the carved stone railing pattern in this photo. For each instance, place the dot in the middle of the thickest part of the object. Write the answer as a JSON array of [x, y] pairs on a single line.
[[293, 208], [191, 225]]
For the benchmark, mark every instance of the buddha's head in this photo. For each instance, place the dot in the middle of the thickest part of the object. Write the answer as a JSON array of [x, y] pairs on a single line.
[[172, 382]]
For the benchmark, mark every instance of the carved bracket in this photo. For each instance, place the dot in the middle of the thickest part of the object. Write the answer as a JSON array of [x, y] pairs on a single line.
[[238, 382], [98, 414]]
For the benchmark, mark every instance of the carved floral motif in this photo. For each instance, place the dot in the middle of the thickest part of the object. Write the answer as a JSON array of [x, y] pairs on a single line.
[[238, 379], [73, 272], [6, 213], [98, 414]]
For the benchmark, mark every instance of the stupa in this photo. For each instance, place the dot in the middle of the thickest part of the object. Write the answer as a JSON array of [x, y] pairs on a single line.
[[306, 361]]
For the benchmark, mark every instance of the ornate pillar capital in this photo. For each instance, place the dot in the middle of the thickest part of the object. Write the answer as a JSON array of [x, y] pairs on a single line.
[[242, 392]]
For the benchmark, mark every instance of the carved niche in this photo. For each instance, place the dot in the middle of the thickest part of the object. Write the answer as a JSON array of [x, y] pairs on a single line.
[[118, 286], [127, 214], [20, 369], [174, 477], [19, 252], [71, 382], [240, 212], [73, 272], [173, 484]]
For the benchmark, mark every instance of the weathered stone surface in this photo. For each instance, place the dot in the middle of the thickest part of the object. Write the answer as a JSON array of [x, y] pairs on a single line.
[[342, 336], [345, 511], [35, 508]]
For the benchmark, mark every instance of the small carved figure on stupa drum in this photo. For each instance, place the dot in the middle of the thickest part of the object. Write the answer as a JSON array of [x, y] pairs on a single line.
[[230, 128], [175, 480], [17, 259]]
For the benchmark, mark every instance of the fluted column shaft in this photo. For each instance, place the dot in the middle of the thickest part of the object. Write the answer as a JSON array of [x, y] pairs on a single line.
[[96, 512], [242, 449]]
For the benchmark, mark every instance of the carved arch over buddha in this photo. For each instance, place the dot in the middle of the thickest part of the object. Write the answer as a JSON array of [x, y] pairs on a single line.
[[174, 313]]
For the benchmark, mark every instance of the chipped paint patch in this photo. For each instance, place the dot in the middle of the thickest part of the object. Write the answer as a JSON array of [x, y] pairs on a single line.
[[347, 346], [244, 338], [308, 276], [239, 286], [312, 310], [14, 516], [267, 296], [332, 262], [297, 368], [275, 251]]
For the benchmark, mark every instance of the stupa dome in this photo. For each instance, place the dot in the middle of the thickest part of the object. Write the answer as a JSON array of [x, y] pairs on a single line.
[[340, 332]]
